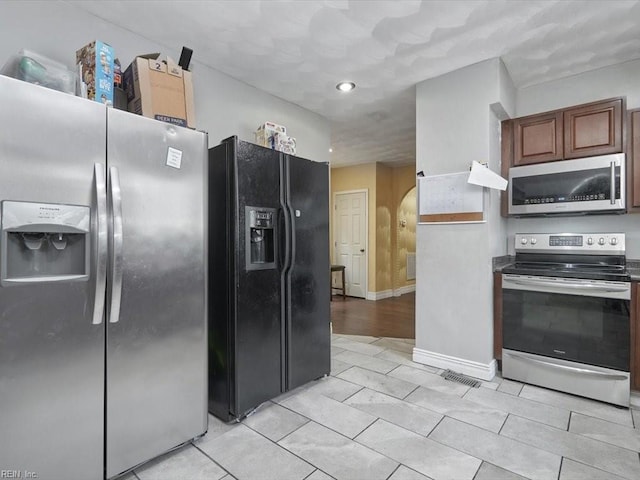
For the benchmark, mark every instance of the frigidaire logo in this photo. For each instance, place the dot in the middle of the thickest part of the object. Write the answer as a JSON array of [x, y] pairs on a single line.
[[51, 209]]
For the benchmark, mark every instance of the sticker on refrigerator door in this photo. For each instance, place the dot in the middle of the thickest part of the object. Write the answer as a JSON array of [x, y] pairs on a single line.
[[174, 157]]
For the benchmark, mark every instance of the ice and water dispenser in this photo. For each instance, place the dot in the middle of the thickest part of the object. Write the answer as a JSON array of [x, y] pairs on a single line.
[[44, 242], [260, 238]]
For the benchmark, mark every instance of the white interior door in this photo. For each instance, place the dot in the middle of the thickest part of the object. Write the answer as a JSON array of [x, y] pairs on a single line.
[[351, 240]]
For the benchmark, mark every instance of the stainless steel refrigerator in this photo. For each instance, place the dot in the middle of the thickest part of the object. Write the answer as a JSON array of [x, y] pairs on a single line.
[[102, 285], [269, 318]]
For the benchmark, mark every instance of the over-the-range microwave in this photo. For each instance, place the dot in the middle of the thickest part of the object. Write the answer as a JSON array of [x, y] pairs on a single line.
[[581, 186]]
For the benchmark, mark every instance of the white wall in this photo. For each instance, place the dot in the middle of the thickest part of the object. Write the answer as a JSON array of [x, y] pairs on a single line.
[[501, 110], [224, 106], [615, 81], [456, 124]]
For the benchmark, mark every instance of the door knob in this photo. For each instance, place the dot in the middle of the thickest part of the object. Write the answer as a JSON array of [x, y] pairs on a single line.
[[362, 250]]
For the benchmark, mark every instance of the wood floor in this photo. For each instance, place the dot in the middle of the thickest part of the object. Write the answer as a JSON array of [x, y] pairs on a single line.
[[391, 317]]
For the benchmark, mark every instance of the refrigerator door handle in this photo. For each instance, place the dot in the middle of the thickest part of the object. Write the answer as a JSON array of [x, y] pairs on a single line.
[[287, 241], [290, 225], [283, 256], [292, 236], [116, 261], [101, 250], [286, 261]]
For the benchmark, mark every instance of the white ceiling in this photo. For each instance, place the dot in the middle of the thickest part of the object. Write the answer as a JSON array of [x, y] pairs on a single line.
[[299, 49]]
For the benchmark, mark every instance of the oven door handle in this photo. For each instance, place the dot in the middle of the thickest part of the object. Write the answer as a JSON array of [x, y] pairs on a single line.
[[572, 286], [582, 371]]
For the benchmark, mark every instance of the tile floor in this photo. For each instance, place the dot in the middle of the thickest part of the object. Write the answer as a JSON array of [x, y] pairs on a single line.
[[381, 416]]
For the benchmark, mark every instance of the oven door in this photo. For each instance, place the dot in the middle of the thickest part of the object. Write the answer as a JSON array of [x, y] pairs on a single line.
[[582, 321]]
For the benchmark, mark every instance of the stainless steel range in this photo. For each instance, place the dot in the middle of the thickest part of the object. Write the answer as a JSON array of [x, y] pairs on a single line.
[[566, 314]]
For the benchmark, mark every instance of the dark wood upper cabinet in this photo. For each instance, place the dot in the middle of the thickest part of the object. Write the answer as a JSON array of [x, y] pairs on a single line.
[[633, 159], [537, 138], [593, 129], [582, 131]]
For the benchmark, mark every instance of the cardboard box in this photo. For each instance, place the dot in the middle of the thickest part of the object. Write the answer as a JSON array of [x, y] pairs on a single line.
[[119, 95], [263, 139], [160, 89], [284, 143], [95, 70], [278, 141], [266, 132], [271, 128], [117, 74]]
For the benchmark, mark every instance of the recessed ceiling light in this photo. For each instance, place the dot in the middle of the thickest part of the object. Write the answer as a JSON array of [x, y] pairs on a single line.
[[331, 150], [346, 86]]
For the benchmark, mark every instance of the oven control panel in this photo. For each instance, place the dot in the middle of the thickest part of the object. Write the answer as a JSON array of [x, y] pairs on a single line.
[[577, 243]]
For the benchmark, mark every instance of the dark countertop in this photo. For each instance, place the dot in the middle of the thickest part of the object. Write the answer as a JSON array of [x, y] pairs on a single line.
[[500, 262], [633, 266]]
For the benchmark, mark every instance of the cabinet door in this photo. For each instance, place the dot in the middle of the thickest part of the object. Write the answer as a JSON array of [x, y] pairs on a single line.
[[593, 129], [634, 159], [537, 138]]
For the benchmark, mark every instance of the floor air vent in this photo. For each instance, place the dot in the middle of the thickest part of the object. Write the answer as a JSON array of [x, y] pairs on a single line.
[[458, 377]]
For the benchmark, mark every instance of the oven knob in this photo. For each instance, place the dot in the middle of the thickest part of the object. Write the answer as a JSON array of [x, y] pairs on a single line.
[[534, 241], [523, 241], [613, 241], [601, 241], [589, 241]]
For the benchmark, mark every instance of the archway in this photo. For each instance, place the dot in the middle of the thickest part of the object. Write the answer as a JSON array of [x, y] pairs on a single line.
[[406, 242]]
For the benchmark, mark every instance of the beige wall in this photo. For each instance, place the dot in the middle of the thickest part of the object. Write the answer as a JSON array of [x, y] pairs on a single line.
[[358, 177], [388, 242], [404, 238], [385, 218]]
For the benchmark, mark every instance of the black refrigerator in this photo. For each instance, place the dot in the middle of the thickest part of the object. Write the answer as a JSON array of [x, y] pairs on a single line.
[[269, 275]]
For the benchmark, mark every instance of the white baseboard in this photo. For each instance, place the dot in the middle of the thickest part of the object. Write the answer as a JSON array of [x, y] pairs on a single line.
[[390, 293], [402, 290], [379, 295], [460, 365]]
